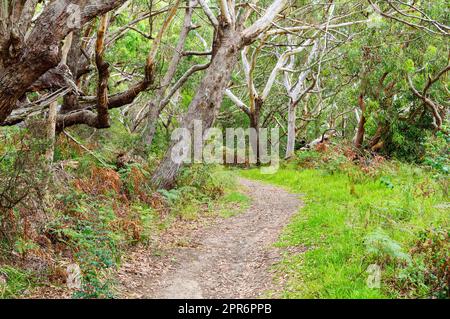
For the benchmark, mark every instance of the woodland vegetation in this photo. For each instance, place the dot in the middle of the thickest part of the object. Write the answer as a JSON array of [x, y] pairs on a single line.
[[91, 91]]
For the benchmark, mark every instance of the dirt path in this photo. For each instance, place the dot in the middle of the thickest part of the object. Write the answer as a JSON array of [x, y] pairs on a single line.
[[230, 258]]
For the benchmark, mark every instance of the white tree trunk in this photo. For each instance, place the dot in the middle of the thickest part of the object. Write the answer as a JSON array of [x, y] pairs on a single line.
[[292, 118], [296, 94]]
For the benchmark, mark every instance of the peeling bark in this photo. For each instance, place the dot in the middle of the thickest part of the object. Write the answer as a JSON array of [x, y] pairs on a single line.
[[40, 51]]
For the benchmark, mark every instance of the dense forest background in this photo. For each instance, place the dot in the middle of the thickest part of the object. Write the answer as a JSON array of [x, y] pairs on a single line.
[[91, 91]]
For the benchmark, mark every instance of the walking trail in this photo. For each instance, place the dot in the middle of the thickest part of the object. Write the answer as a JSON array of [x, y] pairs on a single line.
[[231, 258]]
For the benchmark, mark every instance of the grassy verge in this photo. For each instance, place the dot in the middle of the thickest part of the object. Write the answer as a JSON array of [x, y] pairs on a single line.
[[396, 219]]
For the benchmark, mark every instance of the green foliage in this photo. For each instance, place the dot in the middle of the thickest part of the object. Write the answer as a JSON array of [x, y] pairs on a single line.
[[22, 246], [429, 274], [436, 152], [406, 142], [86, 229], [384, 249], [409, 66], [352, 220], [172, 196], [308, 159], [23, 176], [205, 189], [210, 181], [14, 281], [386, 182]]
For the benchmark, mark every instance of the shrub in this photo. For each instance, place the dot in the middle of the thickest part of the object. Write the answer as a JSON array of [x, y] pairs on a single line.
[[384, 249], [308, 159], [23, 182], [429, 274], [207, 181], [437, 152]]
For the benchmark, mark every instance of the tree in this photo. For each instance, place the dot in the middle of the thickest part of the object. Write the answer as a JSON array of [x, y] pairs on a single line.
[[230, 37], [166, 91], [27, 52], [296, 93]]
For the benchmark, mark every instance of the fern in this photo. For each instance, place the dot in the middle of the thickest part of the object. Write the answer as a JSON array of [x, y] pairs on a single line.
[[382, 247]]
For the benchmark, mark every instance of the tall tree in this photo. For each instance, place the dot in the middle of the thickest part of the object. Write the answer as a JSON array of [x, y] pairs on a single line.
[[231, 37]]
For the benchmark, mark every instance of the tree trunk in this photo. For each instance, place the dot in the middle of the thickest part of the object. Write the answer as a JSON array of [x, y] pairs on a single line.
[[152, 121], [255, 124], [155, 106], [71, 102], [206, 103], [292, 117], [359, 139], [16, 79]]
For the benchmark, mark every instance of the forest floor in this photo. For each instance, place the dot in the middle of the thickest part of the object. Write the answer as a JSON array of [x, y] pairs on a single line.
[[218, 258]]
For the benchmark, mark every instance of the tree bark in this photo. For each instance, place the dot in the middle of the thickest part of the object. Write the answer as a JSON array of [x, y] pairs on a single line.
[[103, 75], [255, 124], [206, 103], [152, 121], [359, 139], [296, 94], [291, 129], [70, 102], [51, 127], [41, 50]]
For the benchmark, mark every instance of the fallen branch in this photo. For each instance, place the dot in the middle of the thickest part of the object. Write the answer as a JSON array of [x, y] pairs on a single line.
[[84, 148]]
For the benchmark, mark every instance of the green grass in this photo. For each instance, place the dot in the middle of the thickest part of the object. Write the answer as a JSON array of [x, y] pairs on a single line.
[[14, 282], [341, 213], [233, 203]]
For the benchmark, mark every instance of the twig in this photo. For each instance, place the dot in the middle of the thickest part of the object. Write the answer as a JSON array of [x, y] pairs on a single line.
[[85, 148]]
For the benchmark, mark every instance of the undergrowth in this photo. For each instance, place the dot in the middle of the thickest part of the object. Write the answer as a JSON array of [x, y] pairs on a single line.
[[95, 206], [364, 215]]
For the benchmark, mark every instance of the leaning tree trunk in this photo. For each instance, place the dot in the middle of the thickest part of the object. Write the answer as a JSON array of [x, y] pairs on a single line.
[[206, 103], [155, 106]]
